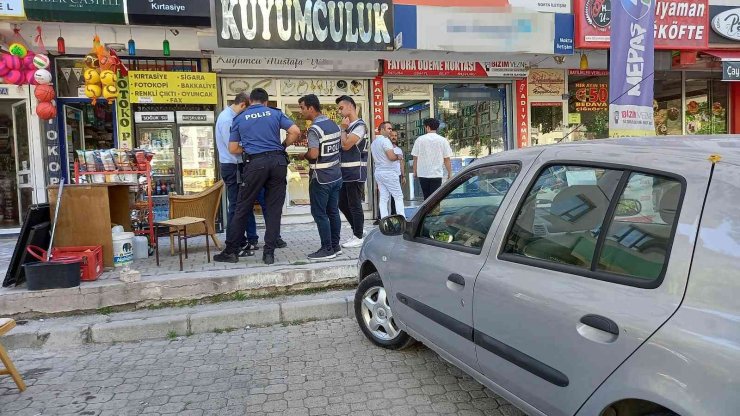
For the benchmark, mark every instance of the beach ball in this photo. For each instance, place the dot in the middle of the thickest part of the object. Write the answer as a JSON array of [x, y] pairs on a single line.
[[15, 76], [93, 91], [91, 76], [3, 69], [28, 61], [41, 61], [17, 49], [44, 93], [46, 110], [108, 77], [42, 76], [11, 61], [29, 76]]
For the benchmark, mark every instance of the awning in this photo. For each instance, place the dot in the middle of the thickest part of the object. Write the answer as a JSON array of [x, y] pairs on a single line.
[[723, 55]]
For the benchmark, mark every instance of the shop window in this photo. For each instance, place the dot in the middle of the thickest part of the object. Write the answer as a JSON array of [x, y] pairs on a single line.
[[588, 104], [667, 104], [547, 123], [706, 103]]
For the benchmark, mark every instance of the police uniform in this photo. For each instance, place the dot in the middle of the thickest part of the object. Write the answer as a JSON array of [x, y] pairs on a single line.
[[257, 129], [354, 175], [326, 180]]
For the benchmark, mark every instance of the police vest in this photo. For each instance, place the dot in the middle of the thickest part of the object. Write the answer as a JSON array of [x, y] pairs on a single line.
[[326, 167], [354, 160]]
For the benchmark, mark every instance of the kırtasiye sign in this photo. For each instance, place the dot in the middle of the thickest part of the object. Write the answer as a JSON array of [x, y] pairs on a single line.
[[631, 69], [189, 13], [305, 24]]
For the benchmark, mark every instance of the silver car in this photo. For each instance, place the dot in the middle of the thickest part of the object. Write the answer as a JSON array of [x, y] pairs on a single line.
[[592, 278]]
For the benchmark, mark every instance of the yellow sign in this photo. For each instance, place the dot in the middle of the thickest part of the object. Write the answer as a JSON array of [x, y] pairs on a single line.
[[574, 118], [154, 87], [123, 113]]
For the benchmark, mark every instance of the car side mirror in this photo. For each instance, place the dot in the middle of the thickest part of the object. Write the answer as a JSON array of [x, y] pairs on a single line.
[[393, 225], [628, 208]]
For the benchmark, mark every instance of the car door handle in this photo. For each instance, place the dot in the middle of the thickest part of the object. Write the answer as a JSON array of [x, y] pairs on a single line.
[[456, 279], [601, 323]]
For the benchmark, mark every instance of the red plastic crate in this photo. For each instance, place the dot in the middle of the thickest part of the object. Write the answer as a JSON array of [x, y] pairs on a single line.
[[91, 258]]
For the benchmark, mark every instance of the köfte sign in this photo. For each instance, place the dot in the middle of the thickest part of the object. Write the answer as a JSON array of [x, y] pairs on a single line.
[[679, 24], [305, 24]]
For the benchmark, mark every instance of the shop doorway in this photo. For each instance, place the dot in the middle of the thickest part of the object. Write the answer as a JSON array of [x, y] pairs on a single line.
[[86, 127], [407, 117], [16, 181]]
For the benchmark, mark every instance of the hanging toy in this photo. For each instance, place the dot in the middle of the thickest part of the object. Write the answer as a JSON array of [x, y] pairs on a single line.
[[42, 76], [46, 110], [44, 93], [41, 61], [3, 69], [91, 76], [91, 61], [93, 91], [110, 92], [27, 61], [17, 49], [29, 77], [14, 76], [108, 77]]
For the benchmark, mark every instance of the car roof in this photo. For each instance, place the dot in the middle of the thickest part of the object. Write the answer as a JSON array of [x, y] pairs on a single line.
[[697, 148]]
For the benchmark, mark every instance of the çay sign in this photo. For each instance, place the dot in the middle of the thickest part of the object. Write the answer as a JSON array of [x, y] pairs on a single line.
[[305, 24]]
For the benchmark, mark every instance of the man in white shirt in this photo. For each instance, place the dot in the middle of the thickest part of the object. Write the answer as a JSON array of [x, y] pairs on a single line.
[[386, 174], [431, 154]]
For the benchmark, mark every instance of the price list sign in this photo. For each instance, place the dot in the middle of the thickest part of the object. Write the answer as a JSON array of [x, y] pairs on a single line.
[[159, 87]]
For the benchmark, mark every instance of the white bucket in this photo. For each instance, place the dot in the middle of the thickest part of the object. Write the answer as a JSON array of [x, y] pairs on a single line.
[[123, 249]]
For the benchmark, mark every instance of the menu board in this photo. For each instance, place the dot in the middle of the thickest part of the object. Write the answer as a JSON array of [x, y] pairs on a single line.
[[159, 87]]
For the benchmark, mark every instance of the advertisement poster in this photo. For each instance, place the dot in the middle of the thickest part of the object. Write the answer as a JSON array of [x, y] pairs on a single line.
[[631, 72], [157, 87], [522, 114], [678, 24]]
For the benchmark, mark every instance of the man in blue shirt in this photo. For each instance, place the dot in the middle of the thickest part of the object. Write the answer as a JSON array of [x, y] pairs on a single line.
[[231, 167], [256, 133]]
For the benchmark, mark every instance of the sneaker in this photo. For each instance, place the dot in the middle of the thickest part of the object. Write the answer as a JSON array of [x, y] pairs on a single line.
[[268, 258], [338, 250], [322, 254], [280, 243], [246, 251], [251, 246], [353, 242], [225, 257]]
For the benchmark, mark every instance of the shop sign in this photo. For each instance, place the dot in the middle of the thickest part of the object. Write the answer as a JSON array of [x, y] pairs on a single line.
[[591, 96], [547, 6], [123, 115], [76, 11], [631, 73], [181, 13], [49, 129], [522, 114], [305, 24], [259, 63], [195, 117], [155, 116], [158, 87], [546, 83], [12, 9], [323, 87], [564, 34], [462, 69], [730, 71], [726, 23], [574, 118], [378, 103], [678, 24]]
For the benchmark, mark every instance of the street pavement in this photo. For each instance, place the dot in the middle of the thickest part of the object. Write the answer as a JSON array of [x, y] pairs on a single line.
[[317, 368]]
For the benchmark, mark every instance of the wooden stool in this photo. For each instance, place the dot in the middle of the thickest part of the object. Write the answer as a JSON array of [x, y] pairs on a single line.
[[6, 324], [181, 230]]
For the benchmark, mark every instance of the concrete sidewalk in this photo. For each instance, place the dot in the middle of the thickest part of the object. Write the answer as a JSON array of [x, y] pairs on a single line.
[[179, 321], [199, 279]]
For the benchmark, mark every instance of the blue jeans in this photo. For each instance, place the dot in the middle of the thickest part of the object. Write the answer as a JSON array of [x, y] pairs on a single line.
[[229, 172], [325, 211]]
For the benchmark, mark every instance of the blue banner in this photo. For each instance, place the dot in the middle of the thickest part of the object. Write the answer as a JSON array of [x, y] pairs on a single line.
[[564, 34], [631, 68]]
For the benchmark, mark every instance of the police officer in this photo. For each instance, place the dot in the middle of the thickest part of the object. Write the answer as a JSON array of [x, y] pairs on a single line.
[[324, 147], [255, 133]]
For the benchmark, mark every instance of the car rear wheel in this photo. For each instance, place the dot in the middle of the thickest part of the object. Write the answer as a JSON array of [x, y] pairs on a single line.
[[375, 317]]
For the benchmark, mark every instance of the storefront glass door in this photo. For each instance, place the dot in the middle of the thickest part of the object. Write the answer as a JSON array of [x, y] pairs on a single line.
[[75, 134], [23, 159]]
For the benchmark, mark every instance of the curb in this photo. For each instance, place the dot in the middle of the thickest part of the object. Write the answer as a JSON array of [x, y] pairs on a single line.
[[173, 323]]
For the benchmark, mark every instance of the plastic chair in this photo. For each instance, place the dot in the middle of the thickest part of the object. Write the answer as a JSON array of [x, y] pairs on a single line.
[[201, 205], [6, 324]]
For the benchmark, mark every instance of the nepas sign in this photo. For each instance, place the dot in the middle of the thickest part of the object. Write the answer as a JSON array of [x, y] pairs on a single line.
[[305, 24]]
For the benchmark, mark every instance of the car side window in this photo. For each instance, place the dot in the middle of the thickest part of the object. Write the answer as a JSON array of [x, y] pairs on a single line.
[[464, 216], [561, 217], [639, 236]]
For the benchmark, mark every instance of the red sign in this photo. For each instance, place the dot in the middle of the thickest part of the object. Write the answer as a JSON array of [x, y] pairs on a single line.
[[679, 24], [591, 96], [424, 68], [588, 72], [378, 103], [522, 115]]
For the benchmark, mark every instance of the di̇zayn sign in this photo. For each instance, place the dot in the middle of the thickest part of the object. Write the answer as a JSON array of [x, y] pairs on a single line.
[[679, 24], [305, 24], [462, 69]]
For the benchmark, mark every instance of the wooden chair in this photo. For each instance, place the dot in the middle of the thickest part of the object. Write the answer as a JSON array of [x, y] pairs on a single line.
[[202, 205], [6, 324]]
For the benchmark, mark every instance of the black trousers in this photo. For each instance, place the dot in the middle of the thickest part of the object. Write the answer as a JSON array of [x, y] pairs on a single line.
[[429, 185], [269, 171], [350, 203]]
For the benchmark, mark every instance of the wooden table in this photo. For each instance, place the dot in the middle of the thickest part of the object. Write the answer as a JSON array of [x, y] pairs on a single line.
[[180, 226], [87, 214]]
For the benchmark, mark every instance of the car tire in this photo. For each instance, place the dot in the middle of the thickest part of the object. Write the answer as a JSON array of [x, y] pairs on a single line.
[[374, 315]]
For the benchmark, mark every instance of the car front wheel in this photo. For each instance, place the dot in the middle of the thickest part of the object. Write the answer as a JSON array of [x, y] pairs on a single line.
[[374, 314]]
